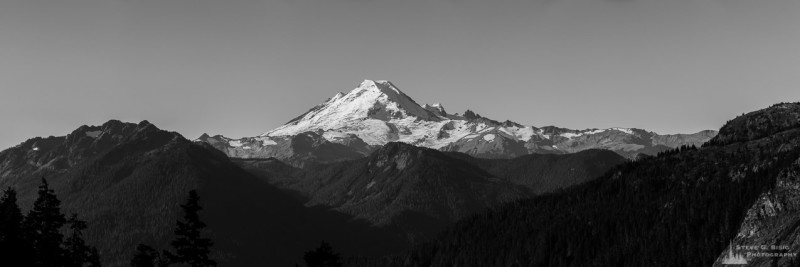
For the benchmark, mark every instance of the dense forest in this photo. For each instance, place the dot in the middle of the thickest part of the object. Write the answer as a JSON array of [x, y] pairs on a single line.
[[190, 246], [421, 191], [37, 239]]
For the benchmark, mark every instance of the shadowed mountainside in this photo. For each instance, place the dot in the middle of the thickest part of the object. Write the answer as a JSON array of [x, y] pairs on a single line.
[[423, 190], [128, 184]]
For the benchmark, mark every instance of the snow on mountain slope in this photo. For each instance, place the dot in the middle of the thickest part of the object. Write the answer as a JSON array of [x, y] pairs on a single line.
[[297, 150], [376, 113]]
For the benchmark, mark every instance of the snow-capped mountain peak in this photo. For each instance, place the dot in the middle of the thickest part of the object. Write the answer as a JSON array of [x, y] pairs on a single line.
[[382, 94], [383, 86], [374, 102], [376, 112]]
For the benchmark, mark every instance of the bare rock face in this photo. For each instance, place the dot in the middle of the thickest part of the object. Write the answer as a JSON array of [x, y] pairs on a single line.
[[772, 222]]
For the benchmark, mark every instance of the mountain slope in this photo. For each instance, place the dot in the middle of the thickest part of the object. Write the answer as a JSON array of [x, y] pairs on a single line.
[[298, 150], [373, 102], [130, 191], [376, 113], [54, 154], [774, 218], [543, 173], [422, 190], [418, 190], [679, 208]]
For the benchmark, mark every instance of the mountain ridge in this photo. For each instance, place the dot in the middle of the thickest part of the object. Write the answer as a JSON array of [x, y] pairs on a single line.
[[421, 190], [129, 191], [377, 112]]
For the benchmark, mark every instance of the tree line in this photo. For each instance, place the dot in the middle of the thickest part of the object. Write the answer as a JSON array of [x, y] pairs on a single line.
[[36, 239], [190, 248]]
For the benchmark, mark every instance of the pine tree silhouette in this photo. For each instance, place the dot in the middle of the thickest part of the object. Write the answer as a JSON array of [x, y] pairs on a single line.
[[43, 224], [146, 257], [13, 246], [323, 256], [189, 246], [78, 254]]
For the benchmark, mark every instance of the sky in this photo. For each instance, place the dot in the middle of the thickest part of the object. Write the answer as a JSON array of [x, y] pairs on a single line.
[[243, 67]]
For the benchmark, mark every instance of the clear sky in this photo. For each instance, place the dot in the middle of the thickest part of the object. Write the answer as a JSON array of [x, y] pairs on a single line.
[[243, 67]]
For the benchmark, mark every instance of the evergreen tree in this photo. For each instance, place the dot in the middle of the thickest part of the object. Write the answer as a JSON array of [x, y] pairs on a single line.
[[43, 225], [78, 254], [165, 259], [189, 246], [145, 257], [323, 256], [13, 246]]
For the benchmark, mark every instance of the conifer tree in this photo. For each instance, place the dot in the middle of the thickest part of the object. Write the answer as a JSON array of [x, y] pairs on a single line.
[[189, 246], [42, 226], [13, 246], [145, 256], [78, 253], [323, 256]]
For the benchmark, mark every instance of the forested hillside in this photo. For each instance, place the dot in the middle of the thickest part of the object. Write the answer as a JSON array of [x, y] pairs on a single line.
[[422, 190], [129, 192]]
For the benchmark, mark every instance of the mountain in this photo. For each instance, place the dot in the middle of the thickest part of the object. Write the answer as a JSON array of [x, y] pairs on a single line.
[[542, 173], [377, 112], [298, 150], [55, 154], [421, 190], [683, 207], [774, 218], [128, 180]]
